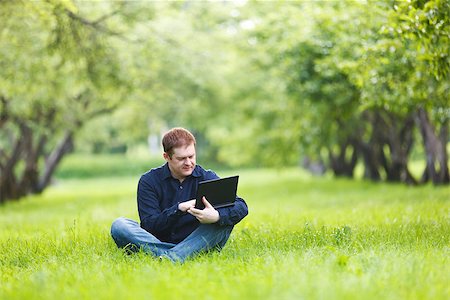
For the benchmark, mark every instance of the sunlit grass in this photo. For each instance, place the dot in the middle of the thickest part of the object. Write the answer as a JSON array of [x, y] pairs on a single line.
[[305, 238]]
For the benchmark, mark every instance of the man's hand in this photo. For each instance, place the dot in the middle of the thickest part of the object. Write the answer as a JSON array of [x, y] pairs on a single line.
[[185, 206], [207, 215]]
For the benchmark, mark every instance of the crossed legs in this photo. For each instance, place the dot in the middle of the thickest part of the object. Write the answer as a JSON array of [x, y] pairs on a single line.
[[129, 234]]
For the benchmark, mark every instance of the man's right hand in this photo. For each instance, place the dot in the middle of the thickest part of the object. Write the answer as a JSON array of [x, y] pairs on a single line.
[[184, 206]]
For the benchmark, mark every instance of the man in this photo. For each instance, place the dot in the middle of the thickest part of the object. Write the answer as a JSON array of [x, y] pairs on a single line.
[[171, 227]]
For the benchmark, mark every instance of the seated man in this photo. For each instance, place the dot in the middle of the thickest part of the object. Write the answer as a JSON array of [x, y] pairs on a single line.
[[171, 227]]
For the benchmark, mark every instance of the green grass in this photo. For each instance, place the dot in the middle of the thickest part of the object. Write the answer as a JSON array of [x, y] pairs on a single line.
[[305, 238]]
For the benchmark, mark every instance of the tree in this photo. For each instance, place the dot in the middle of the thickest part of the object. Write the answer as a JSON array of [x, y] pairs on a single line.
[[57, 73], [402, 79], [334, 85], [426, 25], [184, 60], [296, 87]]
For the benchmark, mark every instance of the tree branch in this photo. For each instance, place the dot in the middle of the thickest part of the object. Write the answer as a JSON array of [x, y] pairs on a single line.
[[96, 25], [3, 111], [105, 17], [64, 146]]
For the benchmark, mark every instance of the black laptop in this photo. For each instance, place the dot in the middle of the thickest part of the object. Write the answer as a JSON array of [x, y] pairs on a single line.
[[219, 192]]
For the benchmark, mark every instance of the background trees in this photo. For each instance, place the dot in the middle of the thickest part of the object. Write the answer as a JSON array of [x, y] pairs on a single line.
[[355, 86], [426, 26], [327, 85], [58, 70]]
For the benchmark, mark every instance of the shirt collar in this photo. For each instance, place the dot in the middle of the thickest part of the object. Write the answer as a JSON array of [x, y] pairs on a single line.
[[197, 172], [166, 171]]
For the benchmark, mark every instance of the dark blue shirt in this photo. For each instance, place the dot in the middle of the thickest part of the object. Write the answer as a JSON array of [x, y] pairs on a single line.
[[158, 197]]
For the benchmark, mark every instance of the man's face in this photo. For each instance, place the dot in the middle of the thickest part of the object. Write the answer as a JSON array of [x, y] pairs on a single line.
[[182, 162]]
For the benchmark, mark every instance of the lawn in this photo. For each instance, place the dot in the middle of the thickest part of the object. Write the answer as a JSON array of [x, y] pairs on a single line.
[[305, 238]]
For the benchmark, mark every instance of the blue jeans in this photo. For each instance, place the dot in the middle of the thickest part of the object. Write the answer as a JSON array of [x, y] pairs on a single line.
[[128, 234]]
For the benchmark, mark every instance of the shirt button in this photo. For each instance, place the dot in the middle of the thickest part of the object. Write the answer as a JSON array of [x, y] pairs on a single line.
[[181, 187]]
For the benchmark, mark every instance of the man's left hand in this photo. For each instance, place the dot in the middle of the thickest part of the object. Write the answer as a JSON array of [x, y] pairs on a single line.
[[207, 215]]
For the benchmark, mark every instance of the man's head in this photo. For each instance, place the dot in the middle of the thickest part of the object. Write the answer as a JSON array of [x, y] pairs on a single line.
[[179, 152]]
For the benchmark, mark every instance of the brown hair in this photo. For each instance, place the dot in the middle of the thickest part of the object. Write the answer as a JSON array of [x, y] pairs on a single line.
[[177, 137]]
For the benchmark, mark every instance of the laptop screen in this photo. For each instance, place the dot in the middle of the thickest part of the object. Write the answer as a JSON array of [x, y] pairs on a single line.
[[219, 192]]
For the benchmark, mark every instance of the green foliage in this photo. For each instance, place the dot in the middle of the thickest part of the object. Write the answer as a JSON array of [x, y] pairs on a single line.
[[427, 24], [61, 66], [56, 61], [305, 237], [105, 165], [259, 83], [333, 78]]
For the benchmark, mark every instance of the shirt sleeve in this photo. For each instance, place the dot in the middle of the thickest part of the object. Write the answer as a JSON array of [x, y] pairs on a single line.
[[232, 215], [153, 219]]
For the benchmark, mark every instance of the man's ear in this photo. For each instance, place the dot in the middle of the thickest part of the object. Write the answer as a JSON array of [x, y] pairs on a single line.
[[166, 156]]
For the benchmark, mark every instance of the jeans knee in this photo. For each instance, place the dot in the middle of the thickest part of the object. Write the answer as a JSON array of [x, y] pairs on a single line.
[[119, 227], [216, 235]]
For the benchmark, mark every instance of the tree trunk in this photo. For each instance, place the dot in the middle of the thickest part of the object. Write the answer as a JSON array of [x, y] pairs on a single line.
[[30, 172], [435, 145], [370, 151], [64, 147], [340, 164], [9, 188], [400, 141], [370, 160], [26, 139]]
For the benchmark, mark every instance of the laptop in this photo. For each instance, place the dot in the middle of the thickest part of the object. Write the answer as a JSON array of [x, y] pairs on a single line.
[[220, 192]]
